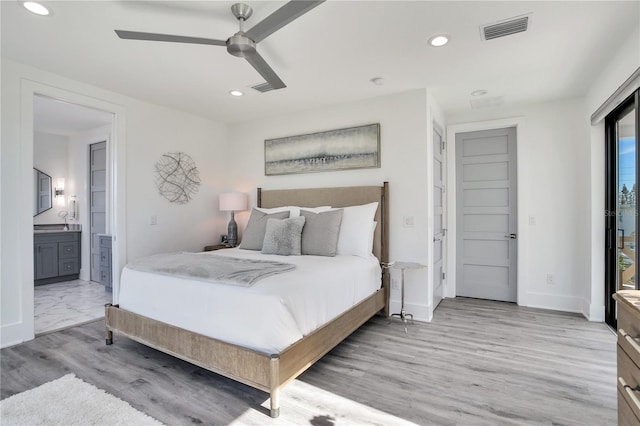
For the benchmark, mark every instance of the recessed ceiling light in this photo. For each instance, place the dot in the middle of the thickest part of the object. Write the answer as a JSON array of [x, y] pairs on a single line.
[[236, 93], [479, 92], [37, 8], [439, 40]]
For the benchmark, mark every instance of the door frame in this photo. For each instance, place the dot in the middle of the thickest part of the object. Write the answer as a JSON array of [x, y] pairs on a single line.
[[116, 197], [611, 202], [437, 128], [452, 261]]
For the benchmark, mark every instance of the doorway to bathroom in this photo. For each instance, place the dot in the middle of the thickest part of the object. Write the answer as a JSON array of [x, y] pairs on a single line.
[[64, 133]]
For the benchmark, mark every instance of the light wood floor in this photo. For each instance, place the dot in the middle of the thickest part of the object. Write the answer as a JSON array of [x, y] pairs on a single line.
[[477, 363]]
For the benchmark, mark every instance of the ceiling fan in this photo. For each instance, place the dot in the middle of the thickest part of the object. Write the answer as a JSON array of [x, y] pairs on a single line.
[[242, 44]]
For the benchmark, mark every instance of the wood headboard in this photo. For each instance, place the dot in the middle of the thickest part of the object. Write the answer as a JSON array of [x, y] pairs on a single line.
[[338, 197]]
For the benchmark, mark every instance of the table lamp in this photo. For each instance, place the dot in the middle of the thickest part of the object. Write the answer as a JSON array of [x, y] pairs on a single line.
[[233, 202]]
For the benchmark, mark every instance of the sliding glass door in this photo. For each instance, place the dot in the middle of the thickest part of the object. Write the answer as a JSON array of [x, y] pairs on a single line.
[[622, 154]]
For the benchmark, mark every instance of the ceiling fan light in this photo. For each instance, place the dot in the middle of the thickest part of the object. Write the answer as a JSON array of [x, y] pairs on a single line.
[[235, 93], [37, 8], [439, 40]]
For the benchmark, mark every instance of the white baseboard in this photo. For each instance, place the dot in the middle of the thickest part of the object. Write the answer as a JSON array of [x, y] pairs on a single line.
[[592, 311], [13, 334], [420, 312], [555, 302]]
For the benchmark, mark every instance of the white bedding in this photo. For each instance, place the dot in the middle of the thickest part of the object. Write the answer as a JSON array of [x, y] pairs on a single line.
[[268, 316]]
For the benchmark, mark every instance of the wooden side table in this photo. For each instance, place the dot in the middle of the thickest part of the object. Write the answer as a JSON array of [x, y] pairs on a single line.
[[216, 247]]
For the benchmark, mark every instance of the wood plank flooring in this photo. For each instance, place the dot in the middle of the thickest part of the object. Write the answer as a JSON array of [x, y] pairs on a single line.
[[478, 363]]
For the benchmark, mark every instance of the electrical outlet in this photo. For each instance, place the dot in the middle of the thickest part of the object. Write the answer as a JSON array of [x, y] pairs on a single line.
[[395, 284], [408, 221], [532, 220], [551, 279], [153, 220]]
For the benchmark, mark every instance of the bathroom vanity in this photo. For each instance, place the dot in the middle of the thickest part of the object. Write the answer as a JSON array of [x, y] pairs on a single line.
[[56, 254]]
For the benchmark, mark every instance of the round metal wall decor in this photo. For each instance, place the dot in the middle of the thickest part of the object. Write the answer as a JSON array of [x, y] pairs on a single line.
[[177, 177]]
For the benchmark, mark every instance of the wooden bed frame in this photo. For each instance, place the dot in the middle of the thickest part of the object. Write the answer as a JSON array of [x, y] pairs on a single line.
[[269, 372]]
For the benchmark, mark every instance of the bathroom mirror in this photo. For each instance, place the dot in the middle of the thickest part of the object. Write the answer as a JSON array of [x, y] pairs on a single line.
[[41, 191]]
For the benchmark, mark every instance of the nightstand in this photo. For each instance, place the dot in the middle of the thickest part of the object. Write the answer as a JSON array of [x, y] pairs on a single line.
[[216, 247], [403, 266]]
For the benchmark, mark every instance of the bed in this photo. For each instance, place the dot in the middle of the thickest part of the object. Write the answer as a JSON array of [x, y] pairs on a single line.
[[267, 365]]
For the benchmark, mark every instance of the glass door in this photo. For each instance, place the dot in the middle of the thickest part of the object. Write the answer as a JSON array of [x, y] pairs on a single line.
[[622, 209]]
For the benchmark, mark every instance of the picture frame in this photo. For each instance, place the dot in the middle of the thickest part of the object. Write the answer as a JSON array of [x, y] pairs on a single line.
[[340, 149]]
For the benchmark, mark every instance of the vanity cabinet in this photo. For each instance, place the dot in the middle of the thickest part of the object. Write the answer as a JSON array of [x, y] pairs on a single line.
[[105, 261], [628, 303], [56, 257]]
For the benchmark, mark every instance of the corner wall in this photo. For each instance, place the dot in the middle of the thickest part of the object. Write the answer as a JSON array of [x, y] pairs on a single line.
[[622, 64]]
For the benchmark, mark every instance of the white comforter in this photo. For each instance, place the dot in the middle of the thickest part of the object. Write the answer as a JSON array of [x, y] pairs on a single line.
[[268, 316]]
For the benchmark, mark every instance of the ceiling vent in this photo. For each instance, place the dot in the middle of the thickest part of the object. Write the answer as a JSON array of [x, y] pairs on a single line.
[[262, 87], [504, 28]]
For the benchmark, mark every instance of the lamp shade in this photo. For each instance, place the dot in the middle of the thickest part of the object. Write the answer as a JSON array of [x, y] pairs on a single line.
[[233, 201]]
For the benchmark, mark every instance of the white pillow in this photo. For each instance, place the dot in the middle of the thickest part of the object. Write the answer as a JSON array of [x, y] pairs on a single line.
[[315, 209], [294, 211], [372, 236], [355, 230], [274, 210]]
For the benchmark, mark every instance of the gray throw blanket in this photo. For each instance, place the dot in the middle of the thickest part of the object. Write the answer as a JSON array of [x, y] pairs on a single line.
[[211, 268]]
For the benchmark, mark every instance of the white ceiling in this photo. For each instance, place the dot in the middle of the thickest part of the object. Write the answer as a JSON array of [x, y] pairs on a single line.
[[327, 56]]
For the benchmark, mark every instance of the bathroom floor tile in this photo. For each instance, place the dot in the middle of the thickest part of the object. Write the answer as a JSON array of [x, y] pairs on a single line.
[[68, 303]]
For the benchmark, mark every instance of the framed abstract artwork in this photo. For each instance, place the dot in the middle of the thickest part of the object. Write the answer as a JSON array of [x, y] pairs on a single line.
[[340, 149]]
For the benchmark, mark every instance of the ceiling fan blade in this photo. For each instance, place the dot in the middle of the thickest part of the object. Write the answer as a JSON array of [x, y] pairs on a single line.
[[135, 35], [265, 70], [281, 17]]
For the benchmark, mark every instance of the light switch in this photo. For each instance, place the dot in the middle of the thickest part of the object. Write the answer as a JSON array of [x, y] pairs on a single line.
[[408, 221]]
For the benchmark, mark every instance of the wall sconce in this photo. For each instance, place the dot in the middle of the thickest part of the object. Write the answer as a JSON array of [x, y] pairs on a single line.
[[59, 192], [233, 202]]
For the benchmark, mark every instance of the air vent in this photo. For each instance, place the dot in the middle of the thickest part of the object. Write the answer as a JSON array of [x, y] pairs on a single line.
[[505, 28], [262, 87]]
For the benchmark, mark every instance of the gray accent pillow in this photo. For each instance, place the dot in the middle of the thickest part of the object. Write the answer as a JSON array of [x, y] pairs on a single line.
[[320, 233], [283, 236], [254, 232]]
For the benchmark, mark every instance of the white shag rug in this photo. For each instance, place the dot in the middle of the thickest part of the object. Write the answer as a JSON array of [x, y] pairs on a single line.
[[69, 401]]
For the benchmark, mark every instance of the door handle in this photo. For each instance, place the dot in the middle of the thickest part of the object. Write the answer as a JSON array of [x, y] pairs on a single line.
[[511, 236], [621, 239]]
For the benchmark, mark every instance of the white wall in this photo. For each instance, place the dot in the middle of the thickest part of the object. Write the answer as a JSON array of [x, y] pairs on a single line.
[[404, 157], [143, 132], [50, 156], [624, 61], [180, 227], [553, 175]]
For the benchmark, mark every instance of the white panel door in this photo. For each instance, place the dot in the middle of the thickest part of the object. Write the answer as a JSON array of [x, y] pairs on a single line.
[[439, 236], [97, 198], [486, 214]]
